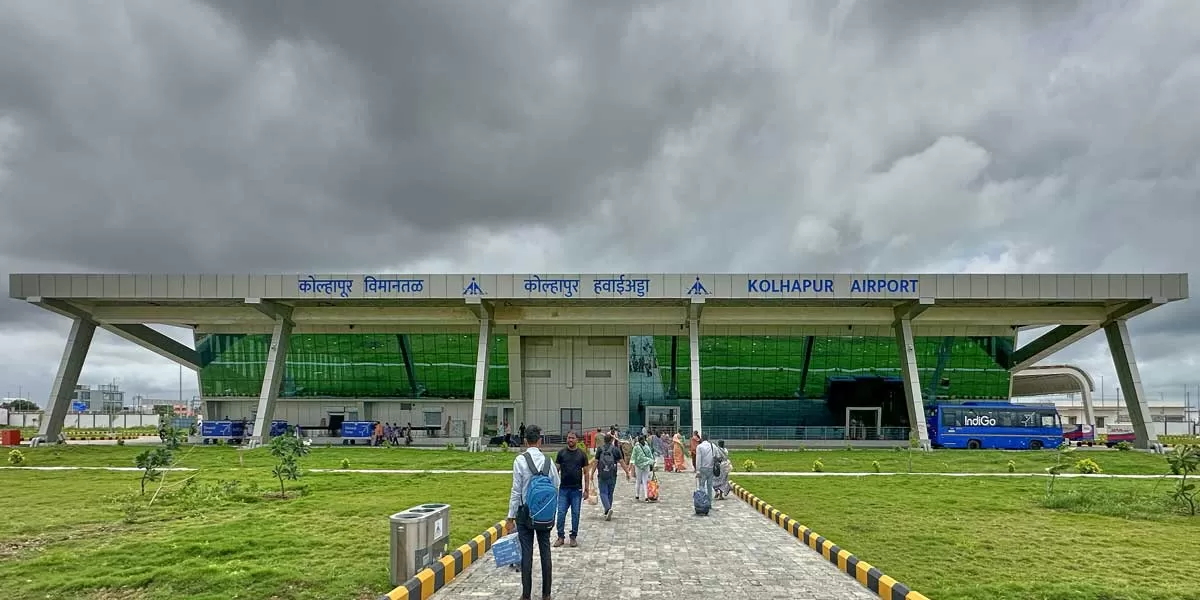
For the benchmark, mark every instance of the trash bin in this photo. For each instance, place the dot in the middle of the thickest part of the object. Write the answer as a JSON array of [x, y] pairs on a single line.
[[410, 546], [439, 529]]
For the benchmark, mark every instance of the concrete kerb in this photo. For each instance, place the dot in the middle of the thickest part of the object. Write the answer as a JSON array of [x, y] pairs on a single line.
[[429, 580], [870, 577]]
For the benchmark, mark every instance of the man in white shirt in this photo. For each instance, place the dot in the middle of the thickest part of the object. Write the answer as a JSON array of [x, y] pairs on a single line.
[[704, 465], [525, 531]]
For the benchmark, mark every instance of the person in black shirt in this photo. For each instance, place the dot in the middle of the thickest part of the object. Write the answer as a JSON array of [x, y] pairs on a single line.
[[571, 462]]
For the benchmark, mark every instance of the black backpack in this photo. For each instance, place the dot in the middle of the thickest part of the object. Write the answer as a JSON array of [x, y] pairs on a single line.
[[608, 459]]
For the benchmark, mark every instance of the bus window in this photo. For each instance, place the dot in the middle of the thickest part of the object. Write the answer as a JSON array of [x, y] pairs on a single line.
[[1049, 419], [951, 417]]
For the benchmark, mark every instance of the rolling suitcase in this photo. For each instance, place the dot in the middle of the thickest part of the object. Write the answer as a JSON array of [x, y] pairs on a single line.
[[701, 502]]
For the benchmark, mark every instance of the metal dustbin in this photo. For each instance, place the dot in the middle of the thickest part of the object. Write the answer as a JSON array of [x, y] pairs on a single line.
[[439, 529], [410, 545]]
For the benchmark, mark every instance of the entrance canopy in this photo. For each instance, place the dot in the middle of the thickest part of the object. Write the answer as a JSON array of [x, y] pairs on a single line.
[[751, 303], [1045, 380], [897, 306]]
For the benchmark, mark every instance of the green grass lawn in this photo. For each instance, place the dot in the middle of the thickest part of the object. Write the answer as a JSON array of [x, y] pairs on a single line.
[[991, 538], [75, 534], [231, 458], [946, 461], [835, 461]]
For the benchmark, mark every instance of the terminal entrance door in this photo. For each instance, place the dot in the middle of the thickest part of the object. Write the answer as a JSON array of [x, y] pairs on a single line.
[[662, 418], [863, 422]]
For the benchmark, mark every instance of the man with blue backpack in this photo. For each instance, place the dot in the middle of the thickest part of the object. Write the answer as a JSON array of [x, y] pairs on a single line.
[[532, 507]]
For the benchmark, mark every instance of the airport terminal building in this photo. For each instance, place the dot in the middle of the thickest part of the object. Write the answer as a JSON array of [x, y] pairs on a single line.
[[751, 356]]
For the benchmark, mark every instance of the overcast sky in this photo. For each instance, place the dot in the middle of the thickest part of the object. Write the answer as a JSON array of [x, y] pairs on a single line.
[[526, 136]]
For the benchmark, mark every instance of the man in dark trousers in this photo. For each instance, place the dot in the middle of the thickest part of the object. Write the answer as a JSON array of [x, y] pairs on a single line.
[[608, 461], [571, 462], [525, 531]]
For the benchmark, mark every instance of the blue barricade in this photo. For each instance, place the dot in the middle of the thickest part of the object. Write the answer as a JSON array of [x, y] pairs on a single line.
[[357, 429], [278, 427], [217, 429], [222, 430]]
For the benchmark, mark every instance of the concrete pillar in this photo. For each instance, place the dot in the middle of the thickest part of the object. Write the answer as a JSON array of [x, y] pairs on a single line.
[[912, 381], [272, 378], [516, 383], [1131, 383], [694, 370], [482, 355], [78, 342]]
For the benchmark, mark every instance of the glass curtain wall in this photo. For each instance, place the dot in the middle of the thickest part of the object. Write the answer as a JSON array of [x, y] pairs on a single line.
[[353, 366], [754, 381]]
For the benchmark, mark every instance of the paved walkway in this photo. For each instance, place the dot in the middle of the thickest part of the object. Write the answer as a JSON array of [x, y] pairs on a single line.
[[664, 551]]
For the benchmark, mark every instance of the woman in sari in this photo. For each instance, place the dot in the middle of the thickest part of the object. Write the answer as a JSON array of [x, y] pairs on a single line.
[[680, 453], [721, 482]]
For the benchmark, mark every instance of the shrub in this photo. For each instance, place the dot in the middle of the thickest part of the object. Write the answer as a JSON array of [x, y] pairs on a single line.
[[1012, 467], [16, 457], [849, 447], [120, 441], [504, 446], [749, 465], [1184, 460], [1124, 446], [818, 466], [1087, 466], [898, 449], [288, 449], [1060, 465], [451, 446], [875, 465], [759, 447], [345, 463], [151, 462]]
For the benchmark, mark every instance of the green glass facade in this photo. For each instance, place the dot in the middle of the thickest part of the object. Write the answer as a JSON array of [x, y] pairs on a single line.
[[786, 381], [745, 381], [353, 366]]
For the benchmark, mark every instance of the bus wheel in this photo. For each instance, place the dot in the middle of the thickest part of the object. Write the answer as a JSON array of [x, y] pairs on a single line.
[[974, 445], [1035, 445]]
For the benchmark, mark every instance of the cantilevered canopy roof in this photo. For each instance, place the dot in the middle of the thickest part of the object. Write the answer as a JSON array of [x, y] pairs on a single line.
[[722, 304], [1045, 380]]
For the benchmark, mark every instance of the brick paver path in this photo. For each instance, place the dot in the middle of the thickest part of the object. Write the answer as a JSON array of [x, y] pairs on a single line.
[[663, 551]]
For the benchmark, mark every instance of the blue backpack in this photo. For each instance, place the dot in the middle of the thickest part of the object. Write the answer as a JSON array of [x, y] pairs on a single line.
[[541, 497]]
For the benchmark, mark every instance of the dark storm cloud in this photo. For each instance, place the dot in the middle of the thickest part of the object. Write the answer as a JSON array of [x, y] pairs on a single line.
[[597, 136]]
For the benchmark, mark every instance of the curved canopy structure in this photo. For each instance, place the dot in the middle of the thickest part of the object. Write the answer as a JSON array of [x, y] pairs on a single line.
[[1056, 379]]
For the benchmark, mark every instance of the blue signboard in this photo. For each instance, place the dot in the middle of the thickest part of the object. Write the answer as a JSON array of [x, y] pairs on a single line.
[[78, 406], [357, 429]]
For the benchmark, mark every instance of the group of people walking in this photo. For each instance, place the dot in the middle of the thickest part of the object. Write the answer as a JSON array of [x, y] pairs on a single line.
[[587, 470]]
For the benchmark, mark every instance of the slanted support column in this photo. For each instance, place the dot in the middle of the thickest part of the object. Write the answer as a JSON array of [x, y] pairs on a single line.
[[908, 369], [1131, 384], [482, 359], [273, 375], [78, 342]]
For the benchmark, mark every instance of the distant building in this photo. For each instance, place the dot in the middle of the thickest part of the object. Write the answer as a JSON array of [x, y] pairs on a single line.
[[104, 398]]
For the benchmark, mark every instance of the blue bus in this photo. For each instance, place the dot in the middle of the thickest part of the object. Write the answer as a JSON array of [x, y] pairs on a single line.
[[998, 425]]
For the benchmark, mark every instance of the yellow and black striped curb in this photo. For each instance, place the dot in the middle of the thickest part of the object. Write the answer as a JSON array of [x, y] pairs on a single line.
[[873, 579], [429, 580]]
